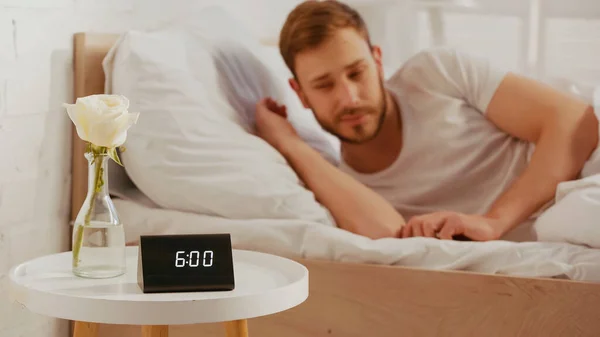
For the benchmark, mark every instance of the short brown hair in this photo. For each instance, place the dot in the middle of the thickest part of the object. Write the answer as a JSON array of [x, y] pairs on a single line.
[[312, 22]]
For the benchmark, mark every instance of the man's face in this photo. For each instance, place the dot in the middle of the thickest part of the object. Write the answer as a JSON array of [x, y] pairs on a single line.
[[341, 81]]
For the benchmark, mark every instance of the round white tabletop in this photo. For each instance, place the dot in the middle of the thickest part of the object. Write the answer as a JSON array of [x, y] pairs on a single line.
[[264, 284]]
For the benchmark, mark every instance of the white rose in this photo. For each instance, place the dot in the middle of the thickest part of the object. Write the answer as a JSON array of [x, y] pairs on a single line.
[[102, 120]]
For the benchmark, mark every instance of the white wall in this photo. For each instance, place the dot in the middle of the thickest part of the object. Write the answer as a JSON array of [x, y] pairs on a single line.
[[568, 39], [35, 79], [569, 33]]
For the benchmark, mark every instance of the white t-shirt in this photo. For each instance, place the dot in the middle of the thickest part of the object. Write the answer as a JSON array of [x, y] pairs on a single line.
[[453, 158]]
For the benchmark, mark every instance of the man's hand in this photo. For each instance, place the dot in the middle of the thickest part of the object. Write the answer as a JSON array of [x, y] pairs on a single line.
[[272, 124], [445, 225]]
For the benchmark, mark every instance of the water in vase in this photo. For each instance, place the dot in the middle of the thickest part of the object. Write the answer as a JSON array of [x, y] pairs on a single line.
[[102, 253]]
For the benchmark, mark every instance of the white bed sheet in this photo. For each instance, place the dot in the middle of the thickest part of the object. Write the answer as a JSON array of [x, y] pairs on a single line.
[[312, 240]]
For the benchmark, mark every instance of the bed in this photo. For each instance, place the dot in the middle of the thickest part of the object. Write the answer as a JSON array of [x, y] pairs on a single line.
[[376, 295]]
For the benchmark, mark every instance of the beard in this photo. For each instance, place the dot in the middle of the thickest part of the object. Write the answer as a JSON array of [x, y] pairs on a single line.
[[362, 132]]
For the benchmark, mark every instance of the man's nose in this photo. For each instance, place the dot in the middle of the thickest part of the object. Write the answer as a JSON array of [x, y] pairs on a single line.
[[348, 94]]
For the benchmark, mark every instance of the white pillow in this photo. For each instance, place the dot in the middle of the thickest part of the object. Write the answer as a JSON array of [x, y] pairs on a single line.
[[248, 72], [193, 148]]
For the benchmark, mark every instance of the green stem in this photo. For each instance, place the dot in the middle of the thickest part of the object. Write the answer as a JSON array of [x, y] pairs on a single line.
[[97, 160]]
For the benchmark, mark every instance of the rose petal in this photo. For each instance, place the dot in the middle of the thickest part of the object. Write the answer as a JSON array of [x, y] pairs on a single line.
[[124, 123], [112, 133], [102, 133], [71, 112], [79, 120], [116, 102]]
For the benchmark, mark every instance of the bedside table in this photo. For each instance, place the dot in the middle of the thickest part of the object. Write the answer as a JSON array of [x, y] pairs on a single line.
[[264, 284]]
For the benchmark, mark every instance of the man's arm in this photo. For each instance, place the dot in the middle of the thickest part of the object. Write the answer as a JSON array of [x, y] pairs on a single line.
[[563, 128], [565, 131], [354, 207]]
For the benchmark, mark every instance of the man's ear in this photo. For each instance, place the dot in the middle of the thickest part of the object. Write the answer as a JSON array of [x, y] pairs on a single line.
[[377, 56], [296, 86]]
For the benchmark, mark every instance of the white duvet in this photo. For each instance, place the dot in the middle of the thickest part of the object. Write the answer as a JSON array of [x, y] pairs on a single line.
[[316, 241]]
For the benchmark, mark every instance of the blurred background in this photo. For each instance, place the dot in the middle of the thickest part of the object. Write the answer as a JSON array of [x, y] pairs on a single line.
[[554, 40]]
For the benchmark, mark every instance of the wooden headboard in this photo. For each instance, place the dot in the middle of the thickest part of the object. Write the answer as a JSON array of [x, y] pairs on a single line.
[[89, 51]]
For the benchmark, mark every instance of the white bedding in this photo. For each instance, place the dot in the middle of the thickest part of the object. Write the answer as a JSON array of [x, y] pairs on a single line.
[[312, 240]]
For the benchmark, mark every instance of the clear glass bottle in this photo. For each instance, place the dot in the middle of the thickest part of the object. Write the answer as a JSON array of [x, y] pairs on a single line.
[[98, 234]]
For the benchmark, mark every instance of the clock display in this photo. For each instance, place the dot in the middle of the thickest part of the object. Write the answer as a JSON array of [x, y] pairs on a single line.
[[192, 259], [186, 262]]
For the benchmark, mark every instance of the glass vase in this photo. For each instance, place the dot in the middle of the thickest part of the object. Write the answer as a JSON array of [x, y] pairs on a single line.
[[98, 234]]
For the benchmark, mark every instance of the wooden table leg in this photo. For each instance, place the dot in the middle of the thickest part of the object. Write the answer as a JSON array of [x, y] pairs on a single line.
[[85, 329], [155, 331], [237, 328]]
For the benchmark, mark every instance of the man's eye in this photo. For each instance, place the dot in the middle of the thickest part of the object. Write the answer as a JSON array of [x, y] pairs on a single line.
[[324, 86], [355, 74]]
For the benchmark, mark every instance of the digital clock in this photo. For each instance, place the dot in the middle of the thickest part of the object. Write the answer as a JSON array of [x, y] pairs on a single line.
[[187, 262]]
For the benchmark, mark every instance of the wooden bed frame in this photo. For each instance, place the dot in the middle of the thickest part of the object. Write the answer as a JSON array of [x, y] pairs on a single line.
[[373, 300]]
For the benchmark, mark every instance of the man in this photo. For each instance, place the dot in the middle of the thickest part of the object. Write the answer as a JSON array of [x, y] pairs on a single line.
[[448, 143]]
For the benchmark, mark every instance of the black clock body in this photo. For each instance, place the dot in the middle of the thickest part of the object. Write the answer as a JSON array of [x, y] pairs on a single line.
[[185, 263]]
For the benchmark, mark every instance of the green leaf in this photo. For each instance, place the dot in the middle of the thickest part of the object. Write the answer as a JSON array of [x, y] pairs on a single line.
[[112, 152]]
